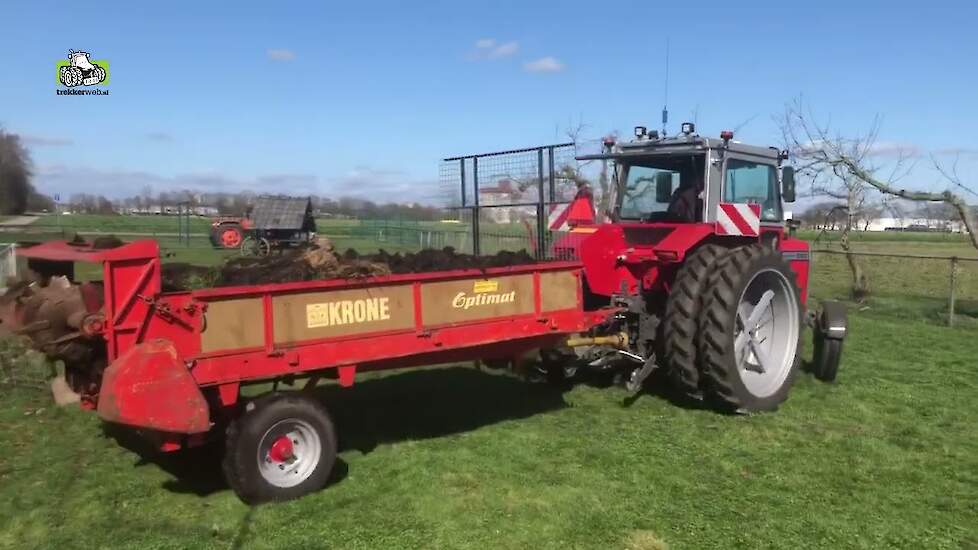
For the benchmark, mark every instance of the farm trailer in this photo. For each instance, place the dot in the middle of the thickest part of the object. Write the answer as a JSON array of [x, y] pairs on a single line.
[[178, 360]]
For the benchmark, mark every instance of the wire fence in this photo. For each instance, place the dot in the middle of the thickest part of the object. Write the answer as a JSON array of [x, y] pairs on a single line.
[[940, 289]]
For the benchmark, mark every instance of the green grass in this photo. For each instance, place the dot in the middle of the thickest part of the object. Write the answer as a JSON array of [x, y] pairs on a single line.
[[455, 458], [95, 223]]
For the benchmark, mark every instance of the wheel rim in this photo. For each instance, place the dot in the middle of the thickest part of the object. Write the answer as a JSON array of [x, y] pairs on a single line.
[[230, 238], [766, 337], [264, 247], [248, 245], [289, 452]]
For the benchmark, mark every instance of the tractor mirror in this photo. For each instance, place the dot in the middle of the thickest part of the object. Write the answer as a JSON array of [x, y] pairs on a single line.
[[788, 184], [663, 187]]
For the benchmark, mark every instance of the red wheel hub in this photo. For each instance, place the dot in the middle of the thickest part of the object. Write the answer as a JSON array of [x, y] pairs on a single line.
[[230, 238], [281, 450]]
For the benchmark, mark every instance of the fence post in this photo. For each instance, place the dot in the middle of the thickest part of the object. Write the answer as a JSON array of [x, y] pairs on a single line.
[[951, 293], [476, 247], [541, 211]]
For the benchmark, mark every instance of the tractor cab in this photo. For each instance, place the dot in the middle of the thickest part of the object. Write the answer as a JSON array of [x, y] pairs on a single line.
[[674, 194], [684, 178]]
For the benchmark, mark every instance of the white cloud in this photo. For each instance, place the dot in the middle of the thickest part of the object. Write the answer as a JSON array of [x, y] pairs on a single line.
[[894, 149], [505, 50], [957, 151], [376, 184], [489, 48], [280, 54], [33, 140], [544, 65]]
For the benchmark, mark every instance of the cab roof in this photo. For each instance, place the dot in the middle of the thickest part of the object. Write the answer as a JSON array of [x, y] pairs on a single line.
[[682, 144]]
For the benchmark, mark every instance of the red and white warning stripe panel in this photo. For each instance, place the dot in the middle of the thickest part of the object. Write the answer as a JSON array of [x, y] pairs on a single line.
[[734, 218]]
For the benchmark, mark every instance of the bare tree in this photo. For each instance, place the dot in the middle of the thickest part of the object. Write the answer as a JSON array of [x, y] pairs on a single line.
[[15, 174], [822, 151], [811, 150]]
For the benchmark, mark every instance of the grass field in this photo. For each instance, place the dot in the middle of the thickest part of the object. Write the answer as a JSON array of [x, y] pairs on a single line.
[[455, 458]]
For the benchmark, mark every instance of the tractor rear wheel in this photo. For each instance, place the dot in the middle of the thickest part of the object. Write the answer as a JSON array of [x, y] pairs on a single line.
[[282, 447], [681, 322], [228, 236], [71, 76], [751, 330]]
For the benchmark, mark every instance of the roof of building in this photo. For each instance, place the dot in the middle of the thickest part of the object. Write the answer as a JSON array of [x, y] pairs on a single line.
[[282, 213]]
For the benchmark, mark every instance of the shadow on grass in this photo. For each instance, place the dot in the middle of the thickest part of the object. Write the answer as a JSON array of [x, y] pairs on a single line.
[[410, 405], [430, 403]]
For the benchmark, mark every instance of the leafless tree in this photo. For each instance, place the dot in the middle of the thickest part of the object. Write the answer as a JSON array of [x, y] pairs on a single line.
[[822, 151], [15, 174], [815, 153]]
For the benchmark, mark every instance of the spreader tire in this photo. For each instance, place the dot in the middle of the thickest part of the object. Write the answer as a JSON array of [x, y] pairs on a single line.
[[757, 375], [282, 447], [681, 323]]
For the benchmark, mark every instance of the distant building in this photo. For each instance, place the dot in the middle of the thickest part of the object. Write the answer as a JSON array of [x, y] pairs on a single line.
[[504, 192]]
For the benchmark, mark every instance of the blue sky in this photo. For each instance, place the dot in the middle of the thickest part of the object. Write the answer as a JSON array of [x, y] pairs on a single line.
[[363, 98]]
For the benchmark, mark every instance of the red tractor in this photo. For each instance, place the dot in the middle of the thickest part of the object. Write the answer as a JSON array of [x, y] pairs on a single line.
[[272, 223], [229, 232], [711, 285]]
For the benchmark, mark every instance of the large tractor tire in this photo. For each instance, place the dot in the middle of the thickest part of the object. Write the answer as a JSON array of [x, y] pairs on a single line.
[[681, 322], [227, 236], [282, 447], [99, 74], [751, 330], [71, 76]]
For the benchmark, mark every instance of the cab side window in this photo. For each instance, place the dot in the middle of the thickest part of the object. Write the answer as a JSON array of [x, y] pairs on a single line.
[[753, 183]]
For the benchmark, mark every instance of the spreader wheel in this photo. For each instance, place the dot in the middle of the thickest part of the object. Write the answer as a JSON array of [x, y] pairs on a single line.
[[751, 330], [681, 322], [281, 448]]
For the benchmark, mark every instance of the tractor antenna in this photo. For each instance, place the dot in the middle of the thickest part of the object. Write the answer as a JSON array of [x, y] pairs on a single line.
[[665, 102]]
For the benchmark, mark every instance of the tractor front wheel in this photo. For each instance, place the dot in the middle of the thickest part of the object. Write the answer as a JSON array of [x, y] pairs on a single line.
[[282, 447], [751, 330]]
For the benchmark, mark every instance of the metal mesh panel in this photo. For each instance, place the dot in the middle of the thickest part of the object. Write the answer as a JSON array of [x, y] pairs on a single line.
[[506, 198], [509, 177]]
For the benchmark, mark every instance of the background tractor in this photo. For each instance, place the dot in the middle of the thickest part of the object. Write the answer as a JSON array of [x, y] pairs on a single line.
[[711, 285], [273, 223], [81, 71]]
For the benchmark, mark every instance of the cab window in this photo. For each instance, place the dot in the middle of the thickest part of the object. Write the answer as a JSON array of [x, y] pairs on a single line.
[[753, 183]]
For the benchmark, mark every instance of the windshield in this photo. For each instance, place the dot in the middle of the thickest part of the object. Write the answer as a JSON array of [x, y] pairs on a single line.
[[666, 188], [753, 183]]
